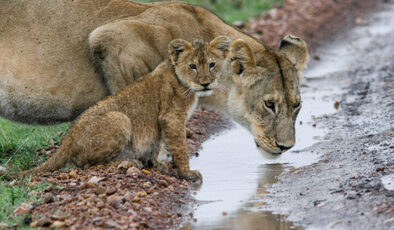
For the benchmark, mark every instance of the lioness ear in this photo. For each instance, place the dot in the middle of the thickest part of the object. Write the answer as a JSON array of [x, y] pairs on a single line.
[[296, 50], [221, 43], [176, 47], [242, 56]]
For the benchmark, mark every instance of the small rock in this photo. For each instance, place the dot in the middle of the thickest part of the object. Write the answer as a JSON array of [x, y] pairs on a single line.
[[124, 166], [73, 174], [147, 184], [23, 209], [115, 201], [100, 190], [111, 191], [33, 224], [136, 199], [3, 170], [316, 57], [49, 198], [44, 222], [351, 195], [111, 224], [273, 13], [57, 224], [132, 171], [146, 172], [336, 105], [48, 189], [100, 204], [12, 183], [128, 196], [163, 183], [95, 180], [361, 22], [97, 221], [141, 194]]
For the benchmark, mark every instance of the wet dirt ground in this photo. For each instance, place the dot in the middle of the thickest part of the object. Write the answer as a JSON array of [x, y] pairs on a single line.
[[340, 175], [350, 187]]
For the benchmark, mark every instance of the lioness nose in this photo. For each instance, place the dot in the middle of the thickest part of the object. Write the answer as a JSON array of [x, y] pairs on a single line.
[[284, 147], [205, 85]]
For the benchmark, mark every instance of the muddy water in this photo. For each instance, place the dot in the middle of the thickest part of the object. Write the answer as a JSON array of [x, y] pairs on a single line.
[[236, 172]]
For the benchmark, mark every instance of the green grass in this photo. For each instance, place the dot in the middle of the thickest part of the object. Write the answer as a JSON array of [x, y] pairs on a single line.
[[19, 143], [233, 10], [11, 197]]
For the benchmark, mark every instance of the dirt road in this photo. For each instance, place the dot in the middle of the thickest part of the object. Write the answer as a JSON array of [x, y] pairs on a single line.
[[351, 186]]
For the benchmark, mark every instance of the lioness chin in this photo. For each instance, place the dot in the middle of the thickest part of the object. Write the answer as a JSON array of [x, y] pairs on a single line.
[[132, 123]]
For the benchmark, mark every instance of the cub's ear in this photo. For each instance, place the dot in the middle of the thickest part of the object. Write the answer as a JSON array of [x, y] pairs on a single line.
[[242, 56], [221, 43], [296, 50], [176, 47]]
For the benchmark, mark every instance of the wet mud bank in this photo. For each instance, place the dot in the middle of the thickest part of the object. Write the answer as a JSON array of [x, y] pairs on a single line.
[[351, 186]]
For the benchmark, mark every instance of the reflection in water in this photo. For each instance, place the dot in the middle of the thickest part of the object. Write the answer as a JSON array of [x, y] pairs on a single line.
[[249, 217], [235, 174]]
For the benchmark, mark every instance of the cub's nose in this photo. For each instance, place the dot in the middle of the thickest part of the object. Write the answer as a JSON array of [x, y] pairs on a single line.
[[205, 85]]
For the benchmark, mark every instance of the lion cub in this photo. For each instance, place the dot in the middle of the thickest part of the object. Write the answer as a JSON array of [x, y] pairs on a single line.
[[132, 123]]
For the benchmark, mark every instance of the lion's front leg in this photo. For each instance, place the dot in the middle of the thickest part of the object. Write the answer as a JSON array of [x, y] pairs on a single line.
[[174, 135], [125, 50]]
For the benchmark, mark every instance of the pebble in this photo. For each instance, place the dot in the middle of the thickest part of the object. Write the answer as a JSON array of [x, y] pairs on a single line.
[[23, 209]]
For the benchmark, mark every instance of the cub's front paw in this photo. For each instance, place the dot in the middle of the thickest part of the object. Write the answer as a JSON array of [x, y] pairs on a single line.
[[192, 175]]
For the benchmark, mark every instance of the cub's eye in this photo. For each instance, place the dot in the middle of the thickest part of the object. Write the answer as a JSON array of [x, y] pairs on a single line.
[[297, 105], [212, 64], [193, 66], [270, 105]]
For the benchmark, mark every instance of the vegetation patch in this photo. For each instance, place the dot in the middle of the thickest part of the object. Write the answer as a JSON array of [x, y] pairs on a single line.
[[233, 10]]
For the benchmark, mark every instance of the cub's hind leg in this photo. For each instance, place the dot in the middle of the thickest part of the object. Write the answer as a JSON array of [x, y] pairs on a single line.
[[100, 138], [122, 51]]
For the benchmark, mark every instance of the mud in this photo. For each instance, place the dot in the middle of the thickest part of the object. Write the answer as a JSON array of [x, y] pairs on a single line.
[[350, 187]]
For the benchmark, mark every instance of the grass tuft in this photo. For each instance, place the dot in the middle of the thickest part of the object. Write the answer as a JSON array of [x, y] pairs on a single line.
[[233, 10], [11, 197]]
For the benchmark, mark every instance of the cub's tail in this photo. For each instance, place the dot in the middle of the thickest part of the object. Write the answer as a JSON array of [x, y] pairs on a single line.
[[56, 162]]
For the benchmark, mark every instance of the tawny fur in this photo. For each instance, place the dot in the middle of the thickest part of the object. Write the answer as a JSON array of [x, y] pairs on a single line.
[[59, 58], [154, 109]]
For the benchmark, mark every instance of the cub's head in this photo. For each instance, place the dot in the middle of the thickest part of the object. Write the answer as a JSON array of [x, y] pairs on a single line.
[[267, 90], [199, 64]]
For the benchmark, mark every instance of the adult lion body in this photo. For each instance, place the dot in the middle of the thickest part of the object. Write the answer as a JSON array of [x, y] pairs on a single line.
[[47, 74]]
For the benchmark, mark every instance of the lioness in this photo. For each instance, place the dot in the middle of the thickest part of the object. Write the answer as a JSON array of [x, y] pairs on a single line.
[[152, 110], [48, 54]]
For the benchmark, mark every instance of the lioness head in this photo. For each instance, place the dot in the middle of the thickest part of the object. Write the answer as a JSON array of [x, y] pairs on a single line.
[[267, 91], [198, 64]]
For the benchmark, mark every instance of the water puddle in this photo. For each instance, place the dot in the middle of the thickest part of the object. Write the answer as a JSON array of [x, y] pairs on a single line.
[[236, 174]]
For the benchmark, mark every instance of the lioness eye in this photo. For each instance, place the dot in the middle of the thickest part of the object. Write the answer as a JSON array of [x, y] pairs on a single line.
[[212, 64], [193, 66], [270, 105]]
